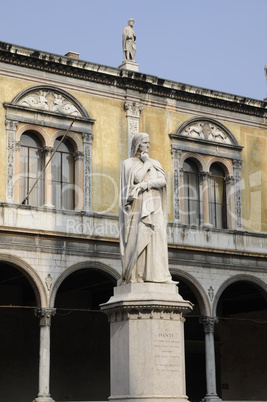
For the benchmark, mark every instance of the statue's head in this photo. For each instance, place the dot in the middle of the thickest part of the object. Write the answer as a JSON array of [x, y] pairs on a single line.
[[131, 22], [136, 142]]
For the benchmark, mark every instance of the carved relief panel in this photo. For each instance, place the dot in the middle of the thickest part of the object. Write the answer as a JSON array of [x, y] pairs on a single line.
[[51, 101], [207, 131]]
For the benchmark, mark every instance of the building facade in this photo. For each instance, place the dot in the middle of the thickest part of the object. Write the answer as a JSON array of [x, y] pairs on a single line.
[[66, 126]]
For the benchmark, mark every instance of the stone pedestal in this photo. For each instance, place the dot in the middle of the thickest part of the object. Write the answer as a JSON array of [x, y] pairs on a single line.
[[129, 65], [147, 342]]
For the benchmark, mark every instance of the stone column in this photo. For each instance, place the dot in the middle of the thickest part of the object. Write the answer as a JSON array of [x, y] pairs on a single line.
[[11, 127], [176, 154], [45, 315], [147, 342], [17, 172], [47, 177], [238, 201], [87, 147], [230, 201], [208, 323], [133, 110], [79, 180], [205, 197]]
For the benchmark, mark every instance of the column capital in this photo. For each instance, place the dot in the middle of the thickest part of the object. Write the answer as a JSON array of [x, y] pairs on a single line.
[[11, 124], [47, 150], [18, 145], [133, 108], [203, 178], [175, 152], [230, 180], [204, 175], [208, 323], [237, 163], [87, 138], [78, 155], [45, 315]]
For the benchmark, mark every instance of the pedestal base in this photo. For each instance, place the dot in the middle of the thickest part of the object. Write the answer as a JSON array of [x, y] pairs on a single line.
[[148, 398], [147, 342], [129, 65]]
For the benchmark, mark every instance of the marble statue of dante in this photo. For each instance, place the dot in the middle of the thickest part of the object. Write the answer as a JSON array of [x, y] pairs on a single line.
[[128, 41], [143, 216]]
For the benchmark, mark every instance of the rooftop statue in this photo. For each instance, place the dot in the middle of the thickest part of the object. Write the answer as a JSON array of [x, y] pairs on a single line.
[[129, 41], [143, 216]]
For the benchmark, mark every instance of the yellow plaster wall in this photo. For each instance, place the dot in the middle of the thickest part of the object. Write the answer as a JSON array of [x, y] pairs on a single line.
[[110, 148]]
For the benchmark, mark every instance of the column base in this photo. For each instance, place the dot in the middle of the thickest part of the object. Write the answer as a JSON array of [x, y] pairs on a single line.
[[211, 398], [43, 399]]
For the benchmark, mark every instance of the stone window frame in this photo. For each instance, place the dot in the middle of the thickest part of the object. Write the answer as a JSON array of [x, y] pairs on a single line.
[[196, 160], [205, 152], [25, 113], [19, 143]]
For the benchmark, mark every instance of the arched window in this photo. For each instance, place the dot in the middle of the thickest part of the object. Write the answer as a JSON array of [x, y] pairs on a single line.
[[31, 165], [63, 175], [192, 204], [217, 197]]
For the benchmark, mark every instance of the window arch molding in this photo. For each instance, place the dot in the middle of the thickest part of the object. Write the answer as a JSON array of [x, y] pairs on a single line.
[[200, 162], [40, 132], [225, 165], [57, 110], [208, 141], [74, 140]]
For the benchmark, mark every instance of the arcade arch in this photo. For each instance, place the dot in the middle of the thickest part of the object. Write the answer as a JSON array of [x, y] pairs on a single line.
[[80, 341], [21, 292], [241, 308]]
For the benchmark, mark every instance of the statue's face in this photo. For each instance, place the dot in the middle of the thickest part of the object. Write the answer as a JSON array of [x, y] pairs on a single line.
[[131, 23], [144, 145]]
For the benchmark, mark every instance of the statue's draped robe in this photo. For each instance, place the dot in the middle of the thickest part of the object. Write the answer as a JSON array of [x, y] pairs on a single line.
[[143, 222], [128, 41]]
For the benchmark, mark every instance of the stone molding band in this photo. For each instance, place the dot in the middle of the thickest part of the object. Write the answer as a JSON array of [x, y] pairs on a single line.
[[146, 312]]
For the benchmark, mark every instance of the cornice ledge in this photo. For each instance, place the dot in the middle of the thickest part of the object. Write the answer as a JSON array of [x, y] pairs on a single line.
[[144, 83]]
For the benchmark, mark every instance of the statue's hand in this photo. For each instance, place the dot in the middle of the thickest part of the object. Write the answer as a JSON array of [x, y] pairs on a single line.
[[143, 185], [144, 157], [137, 189]]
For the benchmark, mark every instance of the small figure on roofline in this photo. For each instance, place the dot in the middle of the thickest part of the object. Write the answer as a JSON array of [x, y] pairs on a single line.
[[129, 41]]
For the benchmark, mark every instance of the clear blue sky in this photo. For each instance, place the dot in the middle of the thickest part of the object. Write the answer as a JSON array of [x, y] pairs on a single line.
[[215, 44]]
